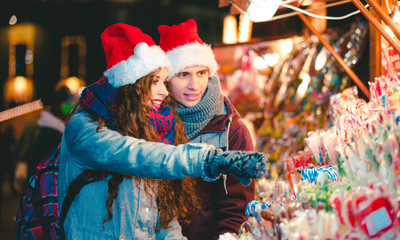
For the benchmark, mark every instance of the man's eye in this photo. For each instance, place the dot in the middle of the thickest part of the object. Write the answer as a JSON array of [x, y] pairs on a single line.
[[182, 75]]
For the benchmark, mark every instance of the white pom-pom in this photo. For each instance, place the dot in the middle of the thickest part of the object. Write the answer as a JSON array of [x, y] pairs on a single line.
[[141, 50]]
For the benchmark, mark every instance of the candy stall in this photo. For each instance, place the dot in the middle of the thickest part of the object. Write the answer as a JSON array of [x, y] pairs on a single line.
[[333, 140]]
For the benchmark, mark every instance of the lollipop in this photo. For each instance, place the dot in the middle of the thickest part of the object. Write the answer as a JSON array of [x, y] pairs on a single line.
[[312, 174]]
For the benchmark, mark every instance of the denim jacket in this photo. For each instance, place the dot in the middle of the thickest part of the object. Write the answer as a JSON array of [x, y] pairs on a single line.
[[135, 213]]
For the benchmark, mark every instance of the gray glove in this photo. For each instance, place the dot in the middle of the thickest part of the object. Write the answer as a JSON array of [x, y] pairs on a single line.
[[243, 164]]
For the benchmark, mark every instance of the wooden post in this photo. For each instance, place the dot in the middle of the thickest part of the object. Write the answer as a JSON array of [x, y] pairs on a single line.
[[380, 12], [375, 58], [376, 24]]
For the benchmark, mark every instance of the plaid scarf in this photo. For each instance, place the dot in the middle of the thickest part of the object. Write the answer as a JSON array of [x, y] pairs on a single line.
[[163, 122], [99, 99], [197, 117]]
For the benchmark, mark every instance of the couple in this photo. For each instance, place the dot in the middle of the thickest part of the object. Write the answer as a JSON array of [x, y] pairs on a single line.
[[127, 124]]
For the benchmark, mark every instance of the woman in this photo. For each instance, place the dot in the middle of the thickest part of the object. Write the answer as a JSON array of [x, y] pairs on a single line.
[[142, 112], [132, 207]]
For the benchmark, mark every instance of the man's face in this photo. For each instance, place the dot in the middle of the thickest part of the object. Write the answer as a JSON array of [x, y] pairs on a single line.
[[189, 85]]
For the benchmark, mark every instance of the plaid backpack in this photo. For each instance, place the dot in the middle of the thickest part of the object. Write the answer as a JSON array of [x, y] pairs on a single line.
[[38, 213]]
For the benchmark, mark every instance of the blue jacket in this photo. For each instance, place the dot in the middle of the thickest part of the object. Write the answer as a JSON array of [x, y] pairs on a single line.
[[135, 214]]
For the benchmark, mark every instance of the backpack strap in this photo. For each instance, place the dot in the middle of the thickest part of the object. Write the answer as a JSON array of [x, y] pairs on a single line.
[[86, 177]]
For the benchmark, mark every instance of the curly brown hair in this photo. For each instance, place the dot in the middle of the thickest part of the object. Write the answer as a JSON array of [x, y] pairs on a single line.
[[175, 198]]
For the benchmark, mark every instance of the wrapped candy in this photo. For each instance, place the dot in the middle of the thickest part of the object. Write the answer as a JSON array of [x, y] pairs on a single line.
[[313, 174], [252, 229], [253, 208], [394, 58], [299, 160], [395, 155], [228, 236], [318, 195], [339, 100], [310, 224], [329, 141], [367, 212], [377, 218], [246, 231], [386, 62], [315, 144]]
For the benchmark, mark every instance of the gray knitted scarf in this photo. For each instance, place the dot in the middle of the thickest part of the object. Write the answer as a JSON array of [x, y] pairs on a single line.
[[197, 117]]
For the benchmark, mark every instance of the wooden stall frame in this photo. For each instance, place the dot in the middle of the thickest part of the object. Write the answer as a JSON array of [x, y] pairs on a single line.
[[338, 58], [376, 23]]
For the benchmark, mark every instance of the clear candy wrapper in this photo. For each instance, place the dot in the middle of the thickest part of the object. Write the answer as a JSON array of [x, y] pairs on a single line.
[[228, 236], [314, 142], [367, 212]]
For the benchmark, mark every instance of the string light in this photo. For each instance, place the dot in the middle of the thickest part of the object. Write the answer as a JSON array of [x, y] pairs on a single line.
[[13, 20], [259, 63], [286, 46], [271, 59], [262, 10], [229, 34], [245, 28], [320, 61], [20, 84], [259, 10], [18, 89]]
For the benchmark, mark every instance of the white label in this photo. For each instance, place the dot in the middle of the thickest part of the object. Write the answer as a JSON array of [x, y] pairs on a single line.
[[377, 221]]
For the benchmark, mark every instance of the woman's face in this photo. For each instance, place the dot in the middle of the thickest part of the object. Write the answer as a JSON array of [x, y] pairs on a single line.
[[158, 87]]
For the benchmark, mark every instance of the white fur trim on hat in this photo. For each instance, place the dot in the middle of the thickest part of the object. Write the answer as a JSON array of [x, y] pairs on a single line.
[[190, 55], [144, 61]]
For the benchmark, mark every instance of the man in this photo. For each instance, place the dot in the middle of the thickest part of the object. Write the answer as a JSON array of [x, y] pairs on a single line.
[[210, 118]]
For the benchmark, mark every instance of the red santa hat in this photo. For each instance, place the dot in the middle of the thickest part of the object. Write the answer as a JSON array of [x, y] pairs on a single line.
[[185, 48], [130, 54]]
